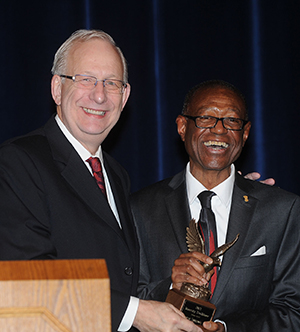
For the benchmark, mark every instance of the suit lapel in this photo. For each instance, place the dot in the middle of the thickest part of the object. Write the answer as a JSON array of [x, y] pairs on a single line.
[[77, 175], [178, 209], [242, 209], [122, 205]]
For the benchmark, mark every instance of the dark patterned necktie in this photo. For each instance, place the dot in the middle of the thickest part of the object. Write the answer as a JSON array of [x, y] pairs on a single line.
[[207, 225], [97, 172]]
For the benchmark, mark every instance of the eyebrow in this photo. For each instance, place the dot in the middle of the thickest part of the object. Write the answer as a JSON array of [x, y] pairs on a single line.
[[111, 76], [217, 109]]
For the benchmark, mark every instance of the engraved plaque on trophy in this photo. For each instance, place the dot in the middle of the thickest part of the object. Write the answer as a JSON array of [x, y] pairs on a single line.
[[192, 299]]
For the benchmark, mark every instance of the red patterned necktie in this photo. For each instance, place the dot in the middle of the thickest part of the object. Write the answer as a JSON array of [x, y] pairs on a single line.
[[97, 172], [207, 224]]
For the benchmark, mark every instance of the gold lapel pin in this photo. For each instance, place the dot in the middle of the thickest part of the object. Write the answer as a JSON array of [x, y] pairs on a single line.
[[246, 199]]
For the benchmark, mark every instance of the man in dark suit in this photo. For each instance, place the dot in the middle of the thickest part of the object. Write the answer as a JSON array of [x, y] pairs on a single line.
[[257, 286], [51, 207]]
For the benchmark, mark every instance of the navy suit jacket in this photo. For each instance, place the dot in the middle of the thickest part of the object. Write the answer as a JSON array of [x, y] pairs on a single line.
[[52, 208], [253, 292]]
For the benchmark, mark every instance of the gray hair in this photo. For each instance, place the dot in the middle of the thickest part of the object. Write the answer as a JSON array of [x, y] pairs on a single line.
[[60, 58]]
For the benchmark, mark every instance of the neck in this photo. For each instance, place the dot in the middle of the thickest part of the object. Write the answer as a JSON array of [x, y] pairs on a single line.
[[92, 148], [210, 178]]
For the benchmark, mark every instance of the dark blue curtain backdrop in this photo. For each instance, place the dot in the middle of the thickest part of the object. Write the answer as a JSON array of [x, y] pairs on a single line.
[[170, 46]]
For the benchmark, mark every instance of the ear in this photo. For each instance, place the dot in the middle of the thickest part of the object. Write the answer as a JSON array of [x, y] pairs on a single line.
[[125, 95], [56, 86], [181, 126], [246, 132]]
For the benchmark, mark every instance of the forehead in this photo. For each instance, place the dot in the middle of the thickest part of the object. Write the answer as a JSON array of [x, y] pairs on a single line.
[[93, 56], [218, 98]]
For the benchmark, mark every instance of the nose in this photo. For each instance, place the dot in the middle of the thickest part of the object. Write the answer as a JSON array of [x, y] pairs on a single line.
[[219, 127], [98, 93]]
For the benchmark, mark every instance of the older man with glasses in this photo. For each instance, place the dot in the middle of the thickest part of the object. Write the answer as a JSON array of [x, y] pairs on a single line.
[[63, 197], [257, 287]]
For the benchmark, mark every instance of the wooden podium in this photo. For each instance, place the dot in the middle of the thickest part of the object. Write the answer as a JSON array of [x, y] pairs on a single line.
[[54, 296]]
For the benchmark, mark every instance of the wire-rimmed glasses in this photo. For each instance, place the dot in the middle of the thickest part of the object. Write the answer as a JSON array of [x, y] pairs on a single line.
[[89, 82]]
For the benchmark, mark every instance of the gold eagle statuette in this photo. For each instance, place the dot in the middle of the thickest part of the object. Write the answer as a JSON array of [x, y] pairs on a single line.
[[195, 242]]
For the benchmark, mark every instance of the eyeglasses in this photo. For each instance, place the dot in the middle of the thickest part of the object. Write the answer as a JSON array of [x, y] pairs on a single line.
[[211, 121], [89, 82]]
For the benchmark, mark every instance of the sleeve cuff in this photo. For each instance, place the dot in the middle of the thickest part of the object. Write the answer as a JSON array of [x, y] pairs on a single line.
[[220, 321], [129, 315]]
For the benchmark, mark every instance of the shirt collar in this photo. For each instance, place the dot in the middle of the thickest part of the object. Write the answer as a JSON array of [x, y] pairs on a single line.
[[80, 149], [223, 190]]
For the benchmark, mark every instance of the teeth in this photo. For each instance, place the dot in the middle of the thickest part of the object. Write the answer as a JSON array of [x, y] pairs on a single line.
[[215, 143], [88, 110]]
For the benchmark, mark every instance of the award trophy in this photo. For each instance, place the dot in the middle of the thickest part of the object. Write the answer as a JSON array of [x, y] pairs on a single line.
[[192, 299]]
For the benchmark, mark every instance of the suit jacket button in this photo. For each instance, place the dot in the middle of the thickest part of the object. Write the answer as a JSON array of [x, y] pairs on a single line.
[[128, 271]]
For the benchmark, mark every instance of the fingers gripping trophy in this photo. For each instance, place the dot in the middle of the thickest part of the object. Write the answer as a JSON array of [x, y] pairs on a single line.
[[192, 299]]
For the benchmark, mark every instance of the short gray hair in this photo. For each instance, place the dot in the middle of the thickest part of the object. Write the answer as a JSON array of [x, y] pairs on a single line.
[[60, 58]]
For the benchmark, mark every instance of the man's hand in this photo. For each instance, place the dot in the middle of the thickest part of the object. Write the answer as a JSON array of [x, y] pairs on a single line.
[[211, 326], [256, 176], [155, 316], [187, 268]]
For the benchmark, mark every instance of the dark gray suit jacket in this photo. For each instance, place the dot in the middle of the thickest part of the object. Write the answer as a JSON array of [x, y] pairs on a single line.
[[253, 293], [51, 207]]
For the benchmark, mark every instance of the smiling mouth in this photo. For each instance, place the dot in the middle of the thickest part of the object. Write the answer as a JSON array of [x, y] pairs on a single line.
[[91, 111], [215, 144]]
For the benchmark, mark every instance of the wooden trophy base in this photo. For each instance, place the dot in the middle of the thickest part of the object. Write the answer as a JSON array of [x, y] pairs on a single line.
[[194, 309]]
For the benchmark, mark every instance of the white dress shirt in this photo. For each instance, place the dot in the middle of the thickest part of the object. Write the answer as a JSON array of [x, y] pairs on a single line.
[[84, 154], [220, 203]]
